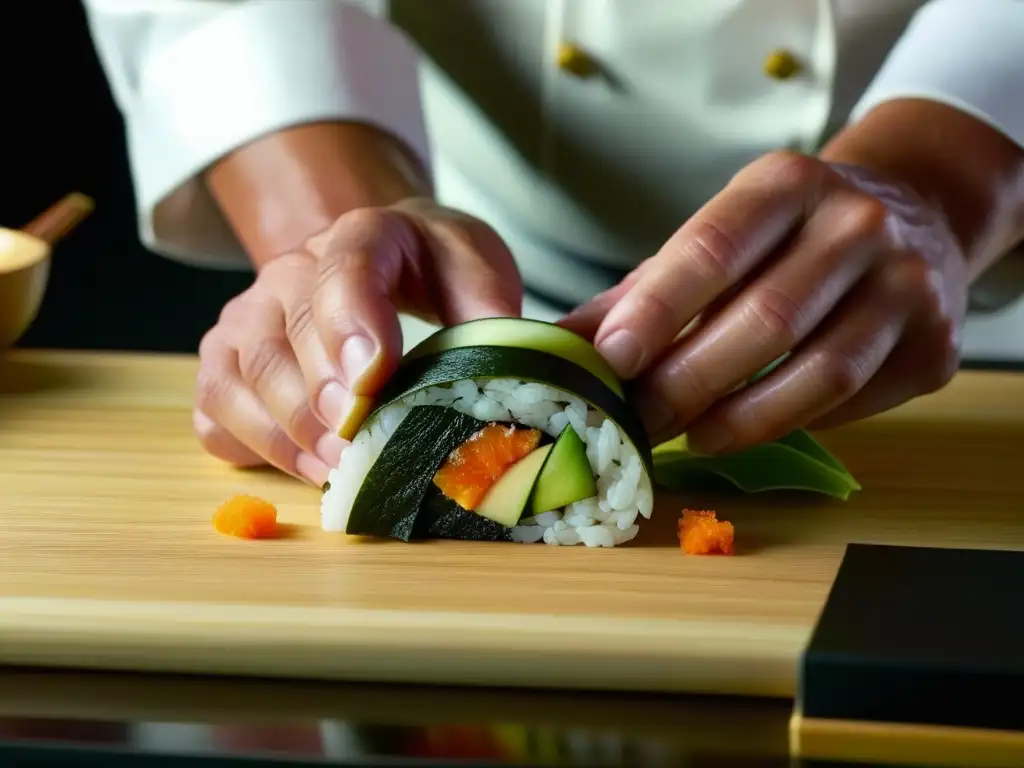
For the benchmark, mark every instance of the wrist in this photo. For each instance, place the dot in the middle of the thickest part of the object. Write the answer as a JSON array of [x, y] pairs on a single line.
[[969, 174], [285, 187]]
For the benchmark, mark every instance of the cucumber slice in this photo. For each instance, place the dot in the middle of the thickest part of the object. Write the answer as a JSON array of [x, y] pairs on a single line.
[[389, 499], [525, 365], [566, 476], [517, 333], [507, 499]]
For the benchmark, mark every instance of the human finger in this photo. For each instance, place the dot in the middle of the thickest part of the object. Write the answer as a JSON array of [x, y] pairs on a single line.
[[270, 370], [353, 305], [224, 398], [776, 312], [830, 369], [923, 362], [221, 444], [474, 273], [739, 228], [292, 280], [585, 319]]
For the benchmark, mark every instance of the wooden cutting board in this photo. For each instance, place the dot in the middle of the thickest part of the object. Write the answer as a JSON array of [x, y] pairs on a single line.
[[108, 559]]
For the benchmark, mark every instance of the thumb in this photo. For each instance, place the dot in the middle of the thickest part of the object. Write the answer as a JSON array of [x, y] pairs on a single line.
[[476, 275], [353, 305]]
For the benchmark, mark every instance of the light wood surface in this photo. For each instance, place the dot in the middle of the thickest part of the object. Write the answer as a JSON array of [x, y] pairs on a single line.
[[108, 558], [903, 744]]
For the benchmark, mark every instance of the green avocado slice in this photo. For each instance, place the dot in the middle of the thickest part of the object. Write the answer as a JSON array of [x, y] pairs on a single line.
[[566, 475]]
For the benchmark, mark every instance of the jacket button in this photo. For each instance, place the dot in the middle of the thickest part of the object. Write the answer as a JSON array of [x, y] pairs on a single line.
[[576, 62], [781, 65]]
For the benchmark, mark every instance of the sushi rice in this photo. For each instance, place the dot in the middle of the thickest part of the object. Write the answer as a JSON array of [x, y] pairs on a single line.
[[606, 520]]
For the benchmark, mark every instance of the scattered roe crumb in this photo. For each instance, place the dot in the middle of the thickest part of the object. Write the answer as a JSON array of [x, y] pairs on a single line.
[[701, 533], [247, 517]]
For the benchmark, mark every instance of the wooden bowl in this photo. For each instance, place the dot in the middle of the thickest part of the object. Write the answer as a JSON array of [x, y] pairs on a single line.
[[25, 263], [24, 271]]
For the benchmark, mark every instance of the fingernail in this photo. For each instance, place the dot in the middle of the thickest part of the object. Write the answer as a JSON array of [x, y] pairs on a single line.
[[310, 468], [356, 355], [329, 448], [709, 440], [623, 351], [655, 415], [331, 403]]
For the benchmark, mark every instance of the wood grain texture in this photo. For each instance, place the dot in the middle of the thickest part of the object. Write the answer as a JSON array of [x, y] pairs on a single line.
[[108, 558], [864, 743]]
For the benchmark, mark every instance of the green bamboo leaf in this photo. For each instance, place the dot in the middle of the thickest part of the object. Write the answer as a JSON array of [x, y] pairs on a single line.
[[796, 462]]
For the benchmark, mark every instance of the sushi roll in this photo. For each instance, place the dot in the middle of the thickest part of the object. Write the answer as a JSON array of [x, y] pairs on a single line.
[[497, 430]]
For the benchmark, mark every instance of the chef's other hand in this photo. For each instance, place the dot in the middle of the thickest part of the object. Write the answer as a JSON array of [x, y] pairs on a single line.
[[857, 279], [317, 334]]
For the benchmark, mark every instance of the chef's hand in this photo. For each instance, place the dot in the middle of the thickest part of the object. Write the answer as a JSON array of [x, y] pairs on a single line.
[[856, 278], [318, 332]]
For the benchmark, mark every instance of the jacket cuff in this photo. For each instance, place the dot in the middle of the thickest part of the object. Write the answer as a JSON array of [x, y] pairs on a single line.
[[963, 53], [254, 69]]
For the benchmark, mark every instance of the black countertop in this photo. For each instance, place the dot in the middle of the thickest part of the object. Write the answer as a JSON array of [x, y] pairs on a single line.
[[76, 717]]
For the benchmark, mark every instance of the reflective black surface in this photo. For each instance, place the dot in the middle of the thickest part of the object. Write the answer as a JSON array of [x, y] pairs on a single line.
[[159, 716]]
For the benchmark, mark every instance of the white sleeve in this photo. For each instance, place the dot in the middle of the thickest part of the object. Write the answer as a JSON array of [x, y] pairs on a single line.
[[195, 79], [968, 54]]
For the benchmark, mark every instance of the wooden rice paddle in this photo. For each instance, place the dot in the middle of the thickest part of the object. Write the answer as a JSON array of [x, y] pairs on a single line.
[[57, 221]]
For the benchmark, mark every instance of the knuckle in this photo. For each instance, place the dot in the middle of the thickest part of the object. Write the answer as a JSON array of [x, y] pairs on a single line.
[[261, 361], [299, 325], [711, 253], [683, 387], [213, 388], [301, 423], [945, 357], [912, 275], [864, 214], [357, 225], [234, 308], [208, 343], [203, 427], [209, 436], [285, 263], [782, 317], [653, 309], [842, 375], [280, 448], [788, 168], [364, 223], [462, 235]]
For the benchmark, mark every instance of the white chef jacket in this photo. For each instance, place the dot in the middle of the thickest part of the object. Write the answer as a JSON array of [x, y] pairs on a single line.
[[583, 176]]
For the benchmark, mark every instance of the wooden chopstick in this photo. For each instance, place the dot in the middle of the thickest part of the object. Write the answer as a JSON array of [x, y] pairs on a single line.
[[58, 220]]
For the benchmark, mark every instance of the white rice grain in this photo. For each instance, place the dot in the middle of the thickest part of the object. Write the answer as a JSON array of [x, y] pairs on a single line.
[[486, 409], [557, 423], [547, 519]]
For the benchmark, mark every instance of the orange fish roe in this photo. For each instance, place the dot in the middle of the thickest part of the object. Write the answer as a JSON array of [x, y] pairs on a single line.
[[472, 468], [701, 533], [247, 517]]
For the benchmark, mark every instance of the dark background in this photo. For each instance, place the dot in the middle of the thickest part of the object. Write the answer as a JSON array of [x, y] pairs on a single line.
[[60, 131]]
